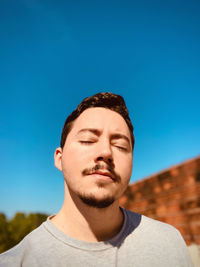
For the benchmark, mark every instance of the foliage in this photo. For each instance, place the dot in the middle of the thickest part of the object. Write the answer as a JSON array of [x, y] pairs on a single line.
[[13, 231]]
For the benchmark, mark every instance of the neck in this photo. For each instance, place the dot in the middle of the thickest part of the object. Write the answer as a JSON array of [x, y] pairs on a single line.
[[90, 224]]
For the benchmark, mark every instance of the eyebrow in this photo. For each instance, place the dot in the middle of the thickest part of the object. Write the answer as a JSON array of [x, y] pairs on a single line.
[[91, 130], [98, 132]]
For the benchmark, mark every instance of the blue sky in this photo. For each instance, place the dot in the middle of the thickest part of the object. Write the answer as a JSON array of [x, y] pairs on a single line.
[[55, 53]]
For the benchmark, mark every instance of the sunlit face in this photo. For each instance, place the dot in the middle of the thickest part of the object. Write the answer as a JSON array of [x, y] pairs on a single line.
[[96, 160]]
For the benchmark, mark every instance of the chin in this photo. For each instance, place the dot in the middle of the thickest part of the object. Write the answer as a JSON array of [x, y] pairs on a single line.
[[93, 201]]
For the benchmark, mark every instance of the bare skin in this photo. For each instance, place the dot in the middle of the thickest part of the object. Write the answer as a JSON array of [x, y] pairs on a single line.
[[87, 223], [107, 144]]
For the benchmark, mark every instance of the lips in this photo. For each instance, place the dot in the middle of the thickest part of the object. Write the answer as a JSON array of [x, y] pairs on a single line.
[[102, 172], [106, 174]]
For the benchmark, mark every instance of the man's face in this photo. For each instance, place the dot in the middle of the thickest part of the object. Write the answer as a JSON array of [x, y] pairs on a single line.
[[96, 160]]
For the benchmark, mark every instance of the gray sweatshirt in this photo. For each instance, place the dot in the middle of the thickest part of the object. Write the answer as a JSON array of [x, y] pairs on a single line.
[[141, 242]]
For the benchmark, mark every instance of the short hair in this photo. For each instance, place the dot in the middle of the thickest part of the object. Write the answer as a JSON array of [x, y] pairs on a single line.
[[106, 100]]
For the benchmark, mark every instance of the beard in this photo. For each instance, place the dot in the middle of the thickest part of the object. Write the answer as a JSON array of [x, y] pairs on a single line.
[[91, 201], [89, 198]]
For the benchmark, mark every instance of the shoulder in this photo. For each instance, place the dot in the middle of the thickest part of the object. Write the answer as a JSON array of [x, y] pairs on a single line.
[[148, 225], [16, 255], [152, 243], [156, 238]]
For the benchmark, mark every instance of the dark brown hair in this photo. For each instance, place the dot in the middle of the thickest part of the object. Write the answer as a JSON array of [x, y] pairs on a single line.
[[105, 100]]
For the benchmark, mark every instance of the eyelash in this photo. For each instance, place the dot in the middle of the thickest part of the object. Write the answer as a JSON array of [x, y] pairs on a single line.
[[121, 148], [91, 142], [86, 142]]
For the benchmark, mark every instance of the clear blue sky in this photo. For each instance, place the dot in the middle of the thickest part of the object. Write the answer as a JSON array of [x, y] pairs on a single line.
[[55, 53]]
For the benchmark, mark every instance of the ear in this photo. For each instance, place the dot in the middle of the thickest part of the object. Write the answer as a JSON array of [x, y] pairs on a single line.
[[57, 158]]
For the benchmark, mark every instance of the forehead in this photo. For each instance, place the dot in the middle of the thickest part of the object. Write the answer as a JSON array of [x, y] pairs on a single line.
[[101, 118]]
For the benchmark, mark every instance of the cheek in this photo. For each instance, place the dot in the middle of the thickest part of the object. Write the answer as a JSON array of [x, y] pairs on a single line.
[[74, 159], [126, 167], [81, 153]]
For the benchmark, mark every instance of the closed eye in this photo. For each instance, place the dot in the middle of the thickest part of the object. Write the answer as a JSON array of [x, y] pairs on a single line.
[[121, 148], [86, 142]]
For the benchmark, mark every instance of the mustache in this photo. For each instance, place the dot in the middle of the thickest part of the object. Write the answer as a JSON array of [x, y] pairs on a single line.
[[116, 177]]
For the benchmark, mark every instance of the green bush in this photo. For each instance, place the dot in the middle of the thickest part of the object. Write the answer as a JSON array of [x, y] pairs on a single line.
[[13, 231]]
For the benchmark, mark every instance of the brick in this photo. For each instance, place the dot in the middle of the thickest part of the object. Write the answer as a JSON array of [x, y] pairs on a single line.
[[171, 196]]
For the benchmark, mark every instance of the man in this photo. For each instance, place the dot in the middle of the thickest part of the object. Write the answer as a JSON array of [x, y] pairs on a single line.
[[95, 156]]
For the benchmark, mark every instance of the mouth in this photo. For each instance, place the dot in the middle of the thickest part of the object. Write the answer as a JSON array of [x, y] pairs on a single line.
[[107, 176]]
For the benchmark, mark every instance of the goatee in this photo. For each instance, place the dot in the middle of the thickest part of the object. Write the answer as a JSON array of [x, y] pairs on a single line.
[[95, 203]]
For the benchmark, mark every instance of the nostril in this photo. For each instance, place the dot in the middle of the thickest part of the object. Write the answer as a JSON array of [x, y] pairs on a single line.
[[109, 160]]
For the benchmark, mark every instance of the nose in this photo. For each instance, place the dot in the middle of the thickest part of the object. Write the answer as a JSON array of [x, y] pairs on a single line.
[[104, 153]]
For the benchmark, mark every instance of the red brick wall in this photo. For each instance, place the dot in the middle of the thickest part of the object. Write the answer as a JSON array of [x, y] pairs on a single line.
[[172, 196]]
